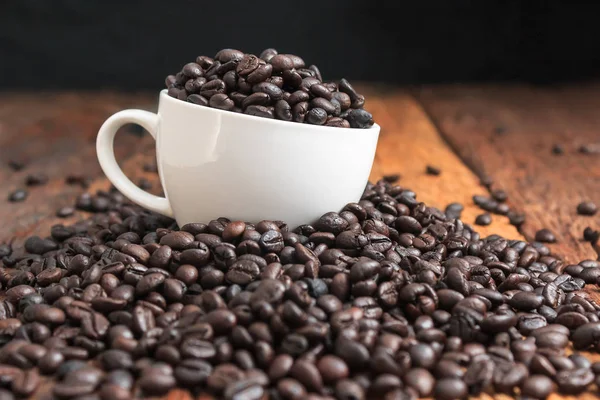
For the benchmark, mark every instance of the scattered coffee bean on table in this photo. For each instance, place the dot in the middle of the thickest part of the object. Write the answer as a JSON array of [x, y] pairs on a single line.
[[516, 218], [500, 130], [17, 165], [483, 219], [271, 85], [151, 167], [144, 184], [545, 236], [37, 179], [386, 299], [557, 149], [587, 208], [80, 180], [393, 178], [499, 195], [431, 170], [591, 235], [454, 210], [18, 195]]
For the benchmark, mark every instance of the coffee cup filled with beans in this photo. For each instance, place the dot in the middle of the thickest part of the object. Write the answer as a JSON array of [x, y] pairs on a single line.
[[271, 85], [259, 134]]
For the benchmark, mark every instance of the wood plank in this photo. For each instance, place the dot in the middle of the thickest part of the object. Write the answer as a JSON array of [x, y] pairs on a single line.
[[508, 133]]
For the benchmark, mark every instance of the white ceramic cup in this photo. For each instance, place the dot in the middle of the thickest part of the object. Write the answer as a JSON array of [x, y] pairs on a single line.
[[215, 163]]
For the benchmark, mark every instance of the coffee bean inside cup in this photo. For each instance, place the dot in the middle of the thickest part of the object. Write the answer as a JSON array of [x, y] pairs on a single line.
[[271, 85]]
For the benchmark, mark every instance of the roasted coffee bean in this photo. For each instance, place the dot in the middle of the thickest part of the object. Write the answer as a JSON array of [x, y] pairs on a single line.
[[587, 208], [299, 96], [283, 110], [44, 314], [299, 111], [292, 78], [179, 240], [192, 372], [516, 218], [432, 170], [526, 301], [18, 195], [592, 148], [574, 381], [586, 335], [420, 380], [545, 236], [221, 101], [308, 375], [359, 118], [65, 212], [537, 387], [337, 122], [509, 376], [227, 55], [281, 62], [155, 382], [270, 89], [25, 383], [256, 99], [194, 85], [557, 149], [483, 219], [271, 241], [37, 245], [591, 235], [23, 292], [291, 389], [247, 64], [244, 389], [347, 390], [212, 88], [260, 74], [479, 375], [192, 70], [197, 99], [242, 272], [449, 389], [50, 362]]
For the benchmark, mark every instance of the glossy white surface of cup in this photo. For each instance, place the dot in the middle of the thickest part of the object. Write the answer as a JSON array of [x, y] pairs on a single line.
[[215, 163]]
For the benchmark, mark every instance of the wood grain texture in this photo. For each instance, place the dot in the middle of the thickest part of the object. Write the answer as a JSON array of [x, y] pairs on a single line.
[[57, 134], [508, 133]]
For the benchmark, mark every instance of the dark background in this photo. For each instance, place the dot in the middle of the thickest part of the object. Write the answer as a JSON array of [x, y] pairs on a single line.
[[135, 44]]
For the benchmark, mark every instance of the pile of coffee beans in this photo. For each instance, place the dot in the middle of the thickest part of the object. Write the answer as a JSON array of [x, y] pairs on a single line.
[[386, 299], [272, 85]]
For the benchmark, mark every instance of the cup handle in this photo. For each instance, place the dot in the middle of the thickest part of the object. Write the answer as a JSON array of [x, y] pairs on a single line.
[[106, 157]]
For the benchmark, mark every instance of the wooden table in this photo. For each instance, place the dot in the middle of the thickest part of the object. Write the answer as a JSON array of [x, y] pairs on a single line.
[[502, 132]]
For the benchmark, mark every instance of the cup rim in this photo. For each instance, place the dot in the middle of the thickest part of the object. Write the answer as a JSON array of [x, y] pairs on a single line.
[[234, 115]]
